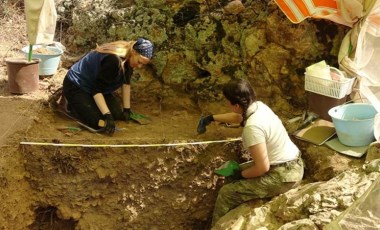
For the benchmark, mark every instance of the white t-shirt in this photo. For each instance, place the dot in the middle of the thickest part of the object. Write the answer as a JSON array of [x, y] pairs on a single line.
[[265, 126]]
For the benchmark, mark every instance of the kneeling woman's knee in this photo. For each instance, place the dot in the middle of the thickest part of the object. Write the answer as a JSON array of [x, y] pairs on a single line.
[[227, 191]]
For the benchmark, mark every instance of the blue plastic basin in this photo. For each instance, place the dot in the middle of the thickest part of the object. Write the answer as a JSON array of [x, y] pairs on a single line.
[[354, 123], [49, 60]]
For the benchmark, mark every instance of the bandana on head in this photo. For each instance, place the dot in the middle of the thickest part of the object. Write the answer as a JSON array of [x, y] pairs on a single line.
[[144, 47]]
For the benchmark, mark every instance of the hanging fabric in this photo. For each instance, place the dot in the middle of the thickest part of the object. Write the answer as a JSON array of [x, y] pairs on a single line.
[[41, 17]]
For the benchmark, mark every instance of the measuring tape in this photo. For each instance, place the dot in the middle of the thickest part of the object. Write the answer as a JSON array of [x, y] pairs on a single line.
[[129, 145]]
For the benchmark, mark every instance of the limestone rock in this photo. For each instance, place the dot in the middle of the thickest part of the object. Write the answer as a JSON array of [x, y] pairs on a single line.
[[234, 7], [304, 224]]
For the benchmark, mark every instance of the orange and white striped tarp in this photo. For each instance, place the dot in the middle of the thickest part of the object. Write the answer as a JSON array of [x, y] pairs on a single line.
[[298, 10]]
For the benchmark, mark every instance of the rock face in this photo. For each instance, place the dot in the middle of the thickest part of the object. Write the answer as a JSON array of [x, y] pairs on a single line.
[[202, 44]]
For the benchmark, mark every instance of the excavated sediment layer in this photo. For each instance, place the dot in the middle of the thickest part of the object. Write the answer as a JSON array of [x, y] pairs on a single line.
[[96, 181], [110, 188]]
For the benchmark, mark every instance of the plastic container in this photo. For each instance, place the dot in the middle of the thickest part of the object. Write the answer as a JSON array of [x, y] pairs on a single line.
[[320, 69], [321, 104], [50, 58], [354, 123], [329, 87]]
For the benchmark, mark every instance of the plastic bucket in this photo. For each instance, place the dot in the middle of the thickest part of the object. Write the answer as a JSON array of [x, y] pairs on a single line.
[[354, 123], [50, 57]]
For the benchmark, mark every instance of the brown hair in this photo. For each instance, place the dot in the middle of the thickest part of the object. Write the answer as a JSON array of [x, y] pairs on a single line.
[[240, 91]]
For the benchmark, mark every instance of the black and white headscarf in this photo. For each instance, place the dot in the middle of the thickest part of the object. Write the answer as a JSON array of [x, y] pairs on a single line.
[[144, 47]]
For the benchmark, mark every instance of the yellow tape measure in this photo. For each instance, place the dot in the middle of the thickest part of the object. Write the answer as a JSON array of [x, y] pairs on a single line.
[[129, 145]]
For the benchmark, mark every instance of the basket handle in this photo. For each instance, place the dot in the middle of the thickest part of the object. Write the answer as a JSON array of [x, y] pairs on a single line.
[[339, 72]]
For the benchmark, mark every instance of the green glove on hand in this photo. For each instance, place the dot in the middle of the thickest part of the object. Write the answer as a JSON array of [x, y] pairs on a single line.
[[203, 122], [127, 114], [237, 174], [110, 124]]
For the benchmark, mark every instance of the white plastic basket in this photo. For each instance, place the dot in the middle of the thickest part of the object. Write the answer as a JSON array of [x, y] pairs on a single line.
[[329, 88]]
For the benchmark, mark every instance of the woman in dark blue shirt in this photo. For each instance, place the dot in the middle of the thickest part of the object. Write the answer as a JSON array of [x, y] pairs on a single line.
[[89, 83]]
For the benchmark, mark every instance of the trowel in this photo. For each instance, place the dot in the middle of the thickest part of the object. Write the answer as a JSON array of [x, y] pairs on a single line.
[[139, 118]]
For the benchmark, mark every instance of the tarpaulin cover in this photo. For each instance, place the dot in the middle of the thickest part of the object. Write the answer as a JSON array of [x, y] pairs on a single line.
[[345, 12], [297, 11], [359, 54], [364, 213], [41, 17]]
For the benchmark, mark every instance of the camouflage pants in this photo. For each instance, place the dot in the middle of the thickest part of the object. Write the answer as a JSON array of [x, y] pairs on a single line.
[[279, 179]]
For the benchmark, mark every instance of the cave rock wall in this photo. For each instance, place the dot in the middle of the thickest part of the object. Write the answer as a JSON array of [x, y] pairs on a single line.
[[202, 44]]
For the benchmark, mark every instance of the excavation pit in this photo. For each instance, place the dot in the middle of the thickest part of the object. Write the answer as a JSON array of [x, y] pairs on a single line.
[[159, 175]]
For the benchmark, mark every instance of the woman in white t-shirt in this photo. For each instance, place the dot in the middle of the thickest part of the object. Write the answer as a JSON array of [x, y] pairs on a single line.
[[277, 166]]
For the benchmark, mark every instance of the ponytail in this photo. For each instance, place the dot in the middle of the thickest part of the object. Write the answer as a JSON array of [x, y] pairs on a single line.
[[239, 91]]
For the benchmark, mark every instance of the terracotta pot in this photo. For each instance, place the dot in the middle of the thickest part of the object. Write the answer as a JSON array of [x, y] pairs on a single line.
[[22, 75]]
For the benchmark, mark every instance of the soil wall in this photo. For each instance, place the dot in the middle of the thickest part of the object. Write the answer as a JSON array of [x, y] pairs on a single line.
[[126, 188]]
